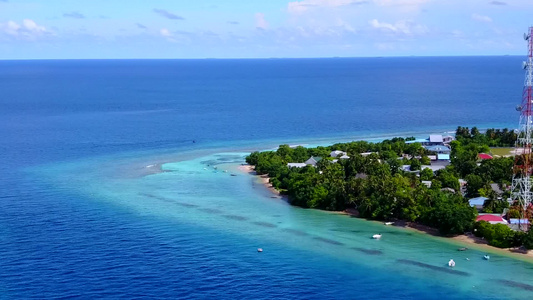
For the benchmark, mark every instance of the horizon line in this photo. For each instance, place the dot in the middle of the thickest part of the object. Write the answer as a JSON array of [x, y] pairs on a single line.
[[261, 58]]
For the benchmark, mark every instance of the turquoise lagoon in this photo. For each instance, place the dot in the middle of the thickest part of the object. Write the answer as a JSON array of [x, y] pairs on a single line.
[[207, 190]]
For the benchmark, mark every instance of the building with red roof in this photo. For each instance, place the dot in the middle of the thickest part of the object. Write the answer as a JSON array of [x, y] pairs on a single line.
[[484, 156], [492, 219]]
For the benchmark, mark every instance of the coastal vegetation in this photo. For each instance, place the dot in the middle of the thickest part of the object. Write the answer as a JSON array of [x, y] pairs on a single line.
[[371, 179]]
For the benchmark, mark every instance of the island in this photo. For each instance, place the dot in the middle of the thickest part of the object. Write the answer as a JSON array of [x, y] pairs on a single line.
[[452, 184]]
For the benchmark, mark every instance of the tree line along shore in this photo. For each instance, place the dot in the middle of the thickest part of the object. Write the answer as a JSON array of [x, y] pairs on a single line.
[[372, 179]]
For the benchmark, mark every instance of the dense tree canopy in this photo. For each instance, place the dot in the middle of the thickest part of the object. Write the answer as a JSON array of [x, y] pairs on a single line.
[[375, 184]]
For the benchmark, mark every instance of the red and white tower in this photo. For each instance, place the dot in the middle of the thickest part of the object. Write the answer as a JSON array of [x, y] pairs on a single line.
[[523, 167]]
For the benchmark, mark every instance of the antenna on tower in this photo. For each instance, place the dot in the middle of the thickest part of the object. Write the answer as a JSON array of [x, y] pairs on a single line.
[[522, 195]]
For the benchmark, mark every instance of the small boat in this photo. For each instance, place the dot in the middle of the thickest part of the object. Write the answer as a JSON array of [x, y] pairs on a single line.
[[451, 263], [467, 258], [486, 256], [376, 236], [388, 223], [462, 249], [259, 249]]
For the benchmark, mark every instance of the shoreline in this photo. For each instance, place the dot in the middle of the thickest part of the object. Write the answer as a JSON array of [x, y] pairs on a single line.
[[264, 179], [460, 240]]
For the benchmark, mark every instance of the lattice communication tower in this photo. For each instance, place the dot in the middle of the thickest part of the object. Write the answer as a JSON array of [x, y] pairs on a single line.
[[523, 166]]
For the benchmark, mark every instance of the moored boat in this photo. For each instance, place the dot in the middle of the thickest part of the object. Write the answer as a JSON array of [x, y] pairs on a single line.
[[376, 236], [451, 263]]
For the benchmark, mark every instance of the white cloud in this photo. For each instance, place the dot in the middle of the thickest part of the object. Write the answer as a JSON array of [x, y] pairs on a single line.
[[402, 6], [31, 26], [260, 21], [302, 6], [401, 2], [165, 32], [481, 18], [403, 26], [28, 29], [11, 28], [458, 34]]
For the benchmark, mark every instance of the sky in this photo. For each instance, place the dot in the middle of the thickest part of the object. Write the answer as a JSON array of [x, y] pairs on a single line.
[[113, 29]]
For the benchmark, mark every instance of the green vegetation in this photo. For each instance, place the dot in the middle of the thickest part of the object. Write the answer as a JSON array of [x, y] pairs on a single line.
[[377, 187], [500, 235], [491, 137]]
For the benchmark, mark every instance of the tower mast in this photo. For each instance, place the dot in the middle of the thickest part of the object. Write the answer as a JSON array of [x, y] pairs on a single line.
[[523, 166]]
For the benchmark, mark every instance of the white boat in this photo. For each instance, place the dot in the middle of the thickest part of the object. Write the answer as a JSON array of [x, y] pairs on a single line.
[[388, 223], [259, 249], [486, 256], [451, 263], [376, 236]]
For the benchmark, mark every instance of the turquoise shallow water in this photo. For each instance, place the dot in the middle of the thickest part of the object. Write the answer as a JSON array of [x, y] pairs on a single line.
[[201, 192]]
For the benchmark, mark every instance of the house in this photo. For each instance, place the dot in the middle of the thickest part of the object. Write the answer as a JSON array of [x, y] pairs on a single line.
[[442, 156], [344, 157], [484, 156], [491, 218], [519, 224], [366, 153], [426, 183], [313, 161], [438, 149], [477, 202], [336, 153], [433, 168], [435, 139], [296, 165], [462, 182], [405, 168], [496, 188], [447, 139]]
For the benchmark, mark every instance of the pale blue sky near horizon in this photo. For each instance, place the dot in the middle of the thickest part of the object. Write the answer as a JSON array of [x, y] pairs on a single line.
[[98, 29]]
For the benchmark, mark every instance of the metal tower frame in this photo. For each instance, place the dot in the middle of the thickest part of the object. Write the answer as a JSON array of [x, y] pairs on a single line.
[[523, 166]]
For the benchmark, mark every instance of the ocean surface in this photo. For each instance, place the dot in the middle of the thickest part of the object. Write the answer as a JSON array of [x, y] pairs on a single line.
[[116, 178]]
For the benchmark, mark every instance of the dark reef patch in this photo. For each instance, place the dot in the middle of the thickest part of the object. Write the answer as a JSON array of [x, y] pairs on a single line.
[[432, 267], [369, 251], [332, 242]]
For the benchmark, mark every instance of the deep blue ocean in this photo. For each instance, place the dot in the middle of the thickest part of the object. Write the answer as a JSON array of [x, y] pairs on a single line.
[[107, 185]]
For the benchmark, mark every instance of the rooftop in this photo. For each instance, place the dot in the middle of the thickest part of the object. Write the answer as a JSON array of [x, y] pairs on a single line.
[[477, 201], [435, 138], [518, 221], [491, 218], [484, 156], [442, 156]]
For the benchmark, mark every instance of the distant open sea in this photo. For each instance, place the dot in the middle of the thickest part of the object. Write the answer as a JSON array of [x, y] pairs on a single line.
[[108, 185]]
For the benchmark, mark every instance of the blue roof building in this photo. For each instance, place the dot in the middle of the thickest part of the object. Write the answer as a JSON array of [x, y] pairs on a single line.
[[518, 221], [477, 202], [442, 156]]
